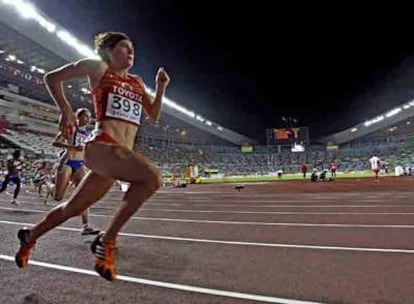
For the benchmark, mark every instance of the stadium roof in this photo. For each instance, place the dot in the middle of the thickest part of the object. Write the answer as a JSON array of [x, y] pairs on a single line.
[[383, 120], [31, 38]]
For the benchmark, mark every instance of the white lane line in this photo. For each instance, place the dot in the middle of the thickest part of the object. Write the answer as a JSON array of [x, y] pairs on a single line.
[[263, 197], [201, 201], [169, 192], [239, 243], [222, 211], [147, 204], [270, 199], [266, 212], [23, 210], [248, 206], [288, 224], [286, 206], [245, 211], [190, 288], [201, 221], [31, 225], [249, 212]]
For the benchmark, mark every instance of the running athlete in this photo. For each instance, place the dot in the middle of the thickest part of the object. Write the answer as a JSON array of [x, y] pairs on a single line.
[[71, 166], [119, 98], [14, 167], [49, 185], [41, 175], [51, 178]]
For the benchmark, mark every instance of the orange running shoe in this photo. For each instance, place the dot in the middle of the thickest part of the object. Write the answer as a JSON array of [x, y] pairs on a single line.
[[105, 253], [22, 256]]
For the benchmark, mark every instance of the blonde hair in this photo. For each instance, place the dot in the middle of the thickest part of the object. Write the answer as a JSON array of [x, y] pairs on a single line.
[[108, 40]]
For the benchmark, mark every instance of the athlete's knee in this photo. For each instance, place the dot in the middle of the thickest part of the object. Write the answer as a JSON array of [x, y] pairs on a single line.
[[158, 180], [68, 211], [59, 212], [154, 180]]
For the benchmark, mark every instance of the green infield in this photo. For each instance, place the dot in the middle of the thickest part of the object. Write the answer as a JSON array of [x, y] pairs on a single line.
[[285, 177]]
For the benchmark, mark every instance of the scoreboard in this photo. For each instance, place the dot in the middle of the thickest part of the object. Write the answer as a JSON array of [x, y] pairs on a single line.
[[287, 136]]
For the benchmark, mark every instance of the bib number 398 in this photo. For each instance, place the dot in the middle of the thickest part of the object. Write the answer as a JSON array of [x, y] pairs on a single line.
[[123, 108]]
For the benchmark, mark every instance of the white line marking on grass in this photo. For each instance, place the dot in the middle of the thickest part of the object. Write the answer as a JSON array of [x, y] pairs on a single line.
[[190, 288], [239, 243]]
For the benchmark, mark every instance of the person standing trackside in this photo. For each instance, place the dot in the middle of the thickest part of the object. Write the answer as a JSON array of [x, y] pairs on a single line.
[[334, 167], [375, 166], [304, 170]]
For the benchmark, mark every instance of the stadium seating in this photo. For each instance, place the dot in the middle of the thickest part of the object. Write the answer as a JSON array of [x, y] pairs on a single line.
[[172, 157], [36, 143]]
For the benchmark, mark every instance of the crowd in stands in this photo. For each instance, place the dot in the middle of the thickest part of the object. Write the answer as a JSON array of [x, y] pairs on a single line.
[[172, 157], [173, 144], [230, 161]]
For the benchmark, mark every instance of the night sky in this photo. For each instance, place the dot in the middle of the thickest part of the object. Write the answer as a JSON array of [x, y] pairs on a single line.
[[245, 66]]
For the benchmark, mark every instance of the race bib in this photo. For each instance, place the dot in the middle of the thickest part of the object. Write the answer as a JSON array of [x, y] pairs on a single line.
[[123, 108], [81, 138]]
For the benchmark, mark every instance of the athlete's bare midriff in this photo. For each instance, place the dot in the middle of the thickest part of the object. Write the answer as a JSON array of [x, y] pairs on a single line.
[[74, 155], [123, 132]]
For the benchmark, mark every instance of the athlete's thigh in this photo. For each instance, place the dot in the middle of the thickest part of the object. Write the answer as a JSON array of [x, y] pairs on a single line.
[[92, 188], [78, 175], [119, 163], [62, 180]]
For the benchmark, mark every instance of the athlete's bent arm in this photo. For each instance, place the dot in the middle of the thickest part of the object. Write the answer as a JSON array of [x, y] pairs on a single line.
[[54, 83], [58, 142], [154, 104]]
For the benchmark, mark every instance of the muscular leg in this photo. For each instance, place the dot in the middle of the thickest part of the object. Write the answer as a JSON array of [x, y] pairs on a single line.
[[62, 182], [125, 165], [92, 188], [77, 178], [17, 182]]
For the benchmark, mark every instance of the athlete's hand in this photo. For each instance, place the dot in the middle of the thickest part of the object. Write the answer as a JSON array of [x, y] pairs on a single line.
[[67, 123], [162, 79]]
